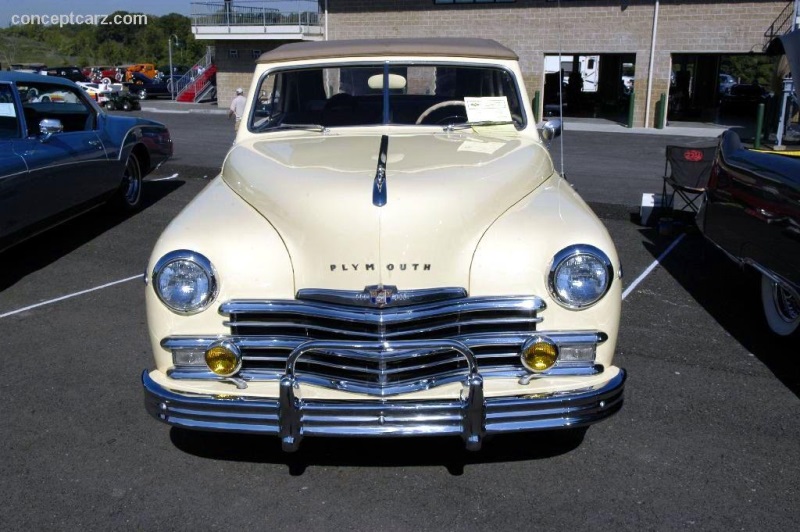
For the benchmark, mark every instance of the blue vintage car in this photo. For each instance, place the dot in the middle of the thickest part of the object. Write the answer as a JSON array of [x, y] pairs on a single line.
[[61, 154]]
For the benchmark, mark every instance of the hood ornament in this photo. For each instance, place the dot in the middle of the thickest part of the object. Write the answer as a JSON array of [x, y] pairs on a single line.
[[379, 195]]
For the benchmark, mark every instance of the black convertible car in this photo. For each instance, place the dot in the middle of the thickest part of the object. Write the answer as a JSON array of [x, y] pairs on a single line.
[[752, 212]]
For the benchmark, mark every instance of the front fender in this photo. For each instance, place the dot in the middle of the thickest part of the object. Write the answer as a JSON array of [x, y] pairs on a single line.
[[515, 255], [248, 255]]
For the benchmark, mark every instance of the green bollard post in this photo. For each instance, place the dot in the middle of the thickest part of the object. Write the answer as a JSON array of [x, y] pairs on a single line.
[[536, 104], [759, 126], [630, 109], [660, 111]]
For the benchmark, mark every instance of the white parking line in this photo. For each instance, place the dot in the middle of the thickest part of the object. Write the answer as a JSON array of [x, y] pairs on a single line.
[[625, 294], [68, 296], [173, 176], [650, 268]]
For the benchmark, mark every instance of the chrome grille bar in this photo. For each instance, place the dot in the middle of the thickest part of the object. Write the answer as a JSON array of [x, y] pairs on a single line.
[[418, 340]]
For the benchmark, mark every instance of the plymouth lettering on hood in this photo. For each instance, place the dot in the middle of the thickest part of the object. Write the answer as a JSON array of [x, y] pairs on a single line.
[[354, 267]]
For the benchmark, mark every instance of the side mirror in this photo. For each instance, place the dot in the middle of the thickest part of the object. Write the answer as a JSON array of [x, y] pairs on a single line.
[[551, 129], [48, 127]]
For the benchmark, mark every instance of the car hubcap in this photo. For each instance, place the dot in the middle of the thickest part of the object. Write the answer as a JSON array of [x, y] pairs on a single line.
[[132, 182], [786, 305]]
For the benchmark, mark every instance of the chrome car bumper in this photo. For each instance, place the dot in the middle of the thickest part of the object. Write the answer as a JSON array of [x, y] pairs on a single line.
[[472, 417]]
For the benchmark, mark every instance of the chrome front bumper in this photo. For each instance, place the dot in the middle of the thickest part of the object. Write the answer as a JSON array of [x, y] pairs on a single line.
[[472, 416]]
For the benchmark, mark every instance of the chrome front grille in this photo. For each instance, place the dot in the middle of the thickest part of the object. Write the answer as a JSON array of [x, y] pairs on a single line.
[[494, 328], [417, 340], [441, 320]]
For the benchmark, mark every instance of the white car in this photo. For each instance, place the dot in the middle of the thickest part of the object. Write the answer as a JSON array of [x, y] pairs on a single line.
[[387, 251]]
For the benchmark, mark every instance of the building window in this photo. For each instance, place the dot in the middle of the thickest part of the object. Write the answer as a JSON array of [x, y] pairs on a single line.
[[473, 1], [256, 54], [233, 54]]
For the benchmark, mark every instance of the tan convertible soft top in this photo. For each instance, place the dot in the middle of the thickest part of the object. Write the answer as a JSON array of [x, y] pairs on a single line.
[[447, 47]]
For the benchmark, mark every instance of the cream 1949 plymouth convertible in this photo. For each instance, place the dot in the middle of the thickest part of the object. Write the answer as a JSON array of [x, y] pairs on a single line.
[[388, 251]]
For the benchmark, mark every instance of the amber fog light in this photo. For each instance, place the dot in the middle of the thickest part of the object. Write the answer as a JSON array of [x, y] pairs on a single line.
[[224, 359], [539, 354]]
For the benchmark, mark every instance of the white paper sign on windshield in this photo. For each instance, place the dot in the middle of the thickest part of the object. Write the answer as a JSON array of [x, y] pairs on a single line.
[[488, 109]]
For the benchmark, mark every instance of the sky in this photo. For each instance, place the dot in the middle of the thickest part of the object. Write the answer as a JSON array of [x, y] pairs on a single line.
[[9, 8]]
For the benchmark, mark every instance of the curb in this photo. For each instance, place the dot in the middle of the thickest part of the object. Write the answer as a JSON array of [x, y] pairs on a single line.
[[184, 112]]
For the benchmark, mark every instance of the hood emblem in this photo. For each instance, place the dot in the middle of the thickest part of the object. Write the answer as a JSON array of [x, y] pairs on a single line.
[[380, 295], [379, 195]]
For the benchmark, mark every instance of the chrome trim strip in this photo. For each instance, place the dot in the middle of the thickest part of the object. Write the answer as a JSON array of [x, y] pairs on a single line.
[[387, 315], [377, 351], [400, 298], [472, 416], [263, 375], [562, 338], [382, 335], [746, 261]]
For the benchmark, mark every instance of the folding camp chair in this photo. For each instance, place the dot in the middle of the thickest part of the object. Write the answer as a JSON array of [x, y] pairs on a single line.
[[686, 172]]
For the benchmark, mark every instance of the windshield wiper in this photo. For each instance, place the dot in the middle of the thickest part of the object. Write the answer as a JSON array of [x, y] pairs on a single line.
[[465, 125]]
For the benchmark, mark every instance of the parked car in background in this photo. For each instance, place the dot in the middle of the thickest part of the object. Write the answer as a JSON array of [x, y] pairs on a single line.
[[28, 67], [113, 74], [177, 71], [71, 73], [406, 260], [726, 81], [147, 69], [743, 98], [61, 155], [752, 212], [145, 87]]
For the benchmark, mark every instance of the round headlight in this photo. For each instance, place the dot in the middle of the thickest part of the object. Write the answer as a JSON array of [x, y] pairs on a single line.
[[185, 281], [580, 276]]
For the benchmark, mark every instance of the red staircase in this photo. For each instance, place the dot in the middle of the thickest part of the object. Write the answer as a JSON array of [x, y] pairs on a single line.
[[197, 85]]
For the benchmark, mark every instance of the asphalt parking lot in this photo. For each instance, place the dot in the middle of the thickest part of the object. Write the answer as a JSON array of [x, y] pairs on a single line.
[[708, 439]]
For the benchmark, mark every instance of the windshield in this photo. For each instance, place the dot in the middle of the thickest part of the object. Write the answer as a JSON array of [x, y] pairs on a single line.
[[376, 94]]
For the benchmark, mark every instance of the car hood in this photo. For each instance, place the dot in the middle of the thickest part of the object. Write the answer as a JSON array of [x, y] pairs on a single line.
[[443, 193]]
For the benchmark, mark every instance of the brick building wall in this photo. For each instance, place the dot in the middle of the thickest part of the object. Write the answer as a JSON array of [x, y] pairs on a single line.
[[236, 61], [534, 28]]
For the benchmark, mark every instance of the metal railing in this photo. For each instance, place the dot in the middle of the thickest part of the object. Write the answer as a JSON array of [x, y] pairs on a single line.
[[256, 13], [784, 23], [190, 77]]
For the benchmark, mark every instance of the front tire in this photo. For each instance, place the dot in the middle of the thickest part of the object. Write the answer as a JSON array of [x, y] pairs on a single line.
[[129, 196], [781, 309], [126, 106]]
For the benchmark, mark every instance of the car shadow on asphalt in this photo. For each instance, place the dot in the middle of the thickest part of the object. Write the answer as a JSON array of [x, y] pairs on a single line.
[[377, 452], [47, 247], [730, 295]]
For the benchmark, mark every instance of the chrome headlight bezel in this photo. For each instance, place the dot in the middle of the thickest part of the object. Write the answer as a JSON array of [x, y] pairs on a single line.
[[198, 260], [572, 252]]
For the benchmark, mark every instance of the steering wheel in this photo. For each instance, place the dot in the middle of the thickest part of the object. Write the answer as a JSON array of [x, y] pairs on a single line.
[[437, 106]]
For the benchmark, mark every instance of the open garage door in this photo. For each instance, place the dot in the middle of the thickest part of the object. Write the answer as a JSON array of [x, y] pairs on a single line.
[[593, 85]]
